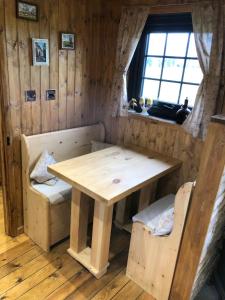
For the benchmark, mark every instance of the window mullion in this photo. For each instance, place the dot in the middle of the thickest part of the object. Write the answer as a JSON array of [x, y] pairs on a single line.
[[163, 62], [185, 63], [145, 59]]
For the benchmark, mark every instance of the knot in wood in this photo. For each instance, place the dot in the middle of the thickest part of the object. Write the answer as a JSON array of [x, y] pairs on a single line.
[[116, 181]]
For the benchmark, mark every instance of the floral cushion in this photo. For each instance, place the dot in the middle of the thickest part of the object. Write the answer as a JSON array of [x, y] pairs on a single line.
[[159, 216]]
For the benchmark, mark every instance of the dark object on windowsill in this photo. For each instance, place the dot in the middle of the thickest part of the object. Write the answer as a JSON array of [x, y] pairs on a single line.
[[182, 113], [138, 108], [164, 110]]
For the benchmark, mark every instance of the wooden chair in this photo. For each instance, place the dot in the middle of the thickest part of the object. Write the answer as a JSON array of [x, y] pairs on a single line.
[[152, 259]]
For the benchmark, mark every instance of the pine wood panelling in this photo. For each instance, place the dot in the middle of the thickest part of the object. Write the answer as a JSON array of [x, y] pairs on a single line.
[[164, 138], [158, 136], [14, 110], [70, 73], [3, 115], [82, 79], [200, 212]]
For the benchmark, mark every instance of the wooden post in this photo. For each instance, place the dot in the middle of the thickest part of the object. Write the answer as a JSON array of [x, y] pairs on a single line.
[[101, 237], [203, 200], [79, 221]]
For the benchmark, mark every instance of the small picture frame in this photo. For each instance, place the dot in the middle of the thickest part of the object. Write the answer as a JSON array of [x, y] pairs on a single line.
[[67, 41], [50, 94], [30, 95], [25, 10], [40, 50]]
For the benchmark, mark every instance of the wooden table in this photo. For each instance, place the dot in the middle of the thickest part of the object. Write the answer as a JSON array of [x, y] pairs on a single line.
[[107, 176]]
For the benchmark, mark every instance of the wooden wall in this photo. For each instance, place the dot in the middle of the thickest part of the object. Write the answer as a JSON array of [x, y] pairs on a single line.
[[169, 139], [71, 73], [158, 136], [82, 79]]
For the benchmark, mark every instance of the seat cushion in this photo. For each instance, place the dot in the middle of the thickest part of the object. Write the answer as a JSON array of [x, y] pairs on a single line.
[[58, 193], [159, 216]]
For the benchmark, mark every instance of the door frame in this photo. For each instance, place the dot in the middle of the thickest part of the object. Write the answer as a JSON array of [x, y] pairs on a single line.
[[5, 140]]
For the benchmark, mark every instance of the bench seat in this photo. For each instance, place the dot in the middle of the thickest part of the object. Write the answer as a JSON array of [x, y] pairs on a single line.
[[57, 193], [47, 208]]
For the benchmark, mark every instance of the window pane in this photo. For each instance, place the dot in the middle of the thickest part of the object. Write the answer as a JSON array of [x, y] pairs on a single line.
[[156, 43], [176, 44], [189, 91], [193, 72], [169, 92], [150, 89], [173, 69], [153, 67], [192, 47]]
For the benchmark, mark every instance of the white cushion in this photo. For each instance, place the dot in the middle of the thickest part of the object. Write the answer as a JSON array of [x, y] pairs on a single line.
[[159, 216], [96, 146], [40, 173], [58, 193]]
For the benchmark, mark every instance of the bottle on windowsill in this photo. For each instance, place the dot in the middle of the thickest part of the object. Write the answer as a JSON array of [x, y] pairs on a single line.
[[183, 112], [138, 107]]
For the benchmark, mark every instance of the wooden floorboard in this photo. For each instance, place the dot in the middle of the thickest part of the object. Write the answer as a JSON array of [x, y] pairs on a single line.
[[29, 273]]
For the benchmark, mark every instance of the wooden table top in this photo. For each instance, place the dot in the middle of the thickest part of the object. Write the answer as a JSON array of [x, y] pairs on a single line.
[[112, 174]]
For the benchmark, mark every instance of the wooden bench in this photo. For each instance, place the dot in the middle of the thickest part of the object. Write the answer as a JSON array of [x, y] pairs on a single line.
[[152, 259], [45, 222]]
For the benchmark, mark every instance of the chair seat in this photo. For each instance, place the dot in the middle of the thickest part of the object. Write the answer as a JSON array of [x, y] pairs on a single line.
[[57, 193], [159, 216]]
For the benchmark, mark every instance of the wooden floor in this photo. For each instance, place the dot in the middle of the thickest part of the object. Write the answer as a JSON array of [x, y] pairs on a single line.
[[27, 272]]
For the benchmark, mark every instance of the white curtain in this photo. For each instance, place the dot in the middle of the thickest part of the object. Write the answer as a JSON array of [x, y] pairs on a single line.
[[209, 30], [132, 23]]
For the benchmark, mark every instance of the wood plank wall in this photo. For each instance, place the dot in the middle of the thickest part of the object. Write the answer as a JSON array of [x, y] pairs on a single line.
[[71, 73], [159, 136], [82, 79], [169, 139]]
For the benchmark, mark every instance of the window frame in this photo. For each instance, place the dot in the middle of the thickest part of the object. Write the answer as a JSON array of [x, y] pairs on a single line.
[[181, 23], [164, 57]]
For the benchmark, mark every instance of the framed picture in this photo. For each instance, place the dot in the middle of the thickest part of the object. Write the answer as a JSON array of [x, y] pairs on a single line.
[[67, 41], [40, 49], [27, 11], [30, 95], [50, 94]]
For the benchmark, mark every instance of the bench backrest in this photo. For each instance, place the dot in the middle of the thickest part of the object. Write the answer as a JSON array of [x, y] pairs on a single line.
[[63, 144]]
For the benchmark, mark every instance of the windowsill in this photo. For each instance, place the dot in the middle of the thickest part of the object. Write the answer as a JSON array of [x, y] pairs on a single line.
[[145, 116]]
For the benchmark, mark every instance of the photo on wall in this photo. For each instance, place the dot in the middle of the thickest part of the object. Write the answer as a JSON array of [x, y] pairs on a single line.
[[27, 11], [40, 48], [67, 41]]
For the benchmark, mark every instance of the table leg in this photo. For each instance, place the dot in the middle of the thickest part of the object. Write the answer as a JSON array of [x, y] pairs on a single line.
[[95, 259], [79, 221], [147, 195], [122, 213], [101, 237]]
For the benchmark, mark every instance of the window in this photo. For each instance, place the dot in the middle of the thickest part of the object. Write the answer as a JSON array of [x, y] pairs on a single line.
[[165, 66]]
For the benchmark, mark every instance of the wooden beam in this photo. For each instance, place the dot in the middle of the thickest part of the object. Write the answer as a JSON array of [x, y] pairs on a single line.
[[6, 166], [101, 236], [207, 184], [79, 221], [168, 9]]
